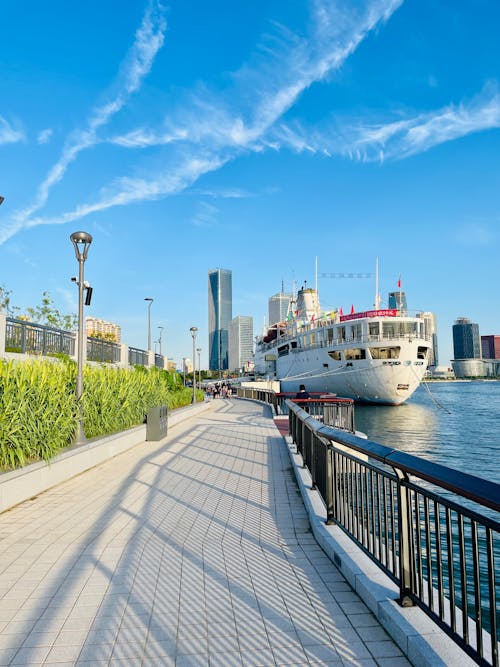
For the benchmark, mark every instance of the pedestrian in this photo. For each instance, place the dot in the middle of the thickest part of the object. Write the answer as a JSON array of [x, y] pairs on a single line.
[[303, 394]]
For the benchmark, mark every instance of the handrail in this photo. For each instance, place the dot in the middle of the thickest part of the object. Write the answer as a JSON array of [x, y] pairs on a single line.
[[443, 555]]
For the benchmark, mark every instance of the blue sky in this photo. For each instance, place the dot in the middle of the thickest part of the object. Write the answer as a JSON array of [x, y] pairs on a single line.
[[187, 136]]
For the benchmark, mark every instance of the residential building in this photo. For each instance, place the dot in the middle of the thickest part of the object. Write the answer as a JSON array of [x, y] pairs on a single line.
[[98, 328], [490, 347], [430, 332], [241, 343], [220, 306]]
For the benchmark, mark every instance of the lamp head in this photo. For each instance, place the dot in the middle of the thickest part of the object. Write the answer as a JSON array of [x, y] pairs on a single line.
[[194, 331], [81, 242]]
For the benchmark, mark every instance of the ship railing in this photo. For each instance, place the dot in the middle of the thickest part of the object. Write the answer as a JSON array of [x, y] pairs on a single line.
[[348, 340], [433, 530]]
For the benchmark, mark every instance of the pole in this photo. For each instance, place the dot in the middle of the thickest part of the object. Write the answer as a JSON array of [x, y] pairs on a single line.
[[199, 366], [150, 301], [194, 368]]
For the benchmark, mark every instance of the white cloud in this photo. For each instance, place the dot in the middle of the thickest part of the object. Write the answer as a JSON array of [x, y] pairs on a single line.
[[205, 216], [395, 139], [45, 136], [8, 134], [138, 62]]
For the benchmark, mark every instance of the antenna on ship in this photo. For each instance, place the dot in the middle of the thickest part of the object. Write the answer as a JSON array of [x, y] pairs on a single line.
[[316, 274]]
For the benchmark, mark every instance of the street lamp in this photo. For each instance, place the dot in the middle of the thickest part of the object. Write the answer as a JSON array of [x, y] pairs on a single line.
[[2, 199], [194, 331], [198, 349], [81, 242], [150, 300], [159, 338]]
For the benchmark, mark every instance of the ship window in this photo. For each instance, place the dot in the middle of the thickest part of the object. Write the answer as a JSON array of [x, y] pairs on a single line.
[[330, 335], [293, 344], [356, 331], [389, 329], [385, 352], [374, 329], [422, 353], [334, 354], [355, 353], [313, 339], [341, 334], [282, 350]]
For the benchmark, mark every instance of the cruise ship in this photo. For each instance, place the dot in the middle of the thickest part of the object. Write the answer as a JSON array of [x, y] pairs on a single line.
[[376, 356]]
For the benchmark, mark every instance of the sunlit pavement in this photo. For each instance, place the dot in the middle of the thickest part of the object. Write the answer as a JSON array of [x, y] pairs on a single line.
[[194, 551]]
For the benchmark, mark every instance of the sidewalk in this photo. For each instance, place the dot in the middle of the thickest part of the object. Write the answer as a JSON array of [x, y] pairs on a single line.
[[194, 551]]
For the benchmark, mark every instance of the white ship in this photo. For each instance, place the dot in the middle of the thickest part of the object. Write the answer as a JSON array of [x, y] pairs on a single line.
[[376, 356]]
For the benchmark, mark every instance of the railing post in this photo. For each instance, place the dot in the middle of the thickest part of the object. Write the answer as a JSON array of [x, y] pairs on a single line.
[[330, 510], [3, 332], [406, 564]]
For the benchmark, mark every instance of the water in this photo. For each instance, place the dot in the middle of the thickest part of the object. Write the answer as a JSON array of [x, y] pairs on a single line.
[[456, 424]]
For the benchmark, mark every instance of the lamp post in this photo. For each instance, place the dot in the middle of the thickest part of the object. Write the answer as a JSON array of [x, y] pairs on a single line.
[[194, 331], [81, 242], [159, 338], [198, 349], [150, 301]]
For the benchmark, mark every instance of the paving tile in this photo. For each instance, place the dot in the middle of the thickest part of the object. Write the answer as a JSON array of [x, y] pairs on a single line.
[[193, 552]]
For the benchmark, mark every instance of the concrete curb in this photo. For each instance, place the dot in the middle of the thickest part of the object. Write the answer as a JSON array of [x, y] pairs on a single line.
[[420, 639], [16, 486]]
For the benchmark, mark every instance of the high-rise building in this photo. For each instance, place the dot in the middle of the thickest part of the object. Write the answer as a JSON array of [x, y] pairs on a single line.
[[466, 340], [240, 343], [490, 347], [278, 307], [102, 329], [430, 332], [220, 307], [397, 300]]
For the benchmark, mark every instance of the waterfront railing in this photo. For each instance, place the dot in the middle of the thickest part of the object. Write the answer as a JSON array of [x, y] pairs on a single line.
[[433, 530], [104, 351], [330, 409]]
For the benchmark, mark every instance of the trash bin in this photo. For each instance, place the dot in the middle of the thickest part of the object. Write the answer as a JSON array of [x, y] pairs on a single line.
[[157, 423]]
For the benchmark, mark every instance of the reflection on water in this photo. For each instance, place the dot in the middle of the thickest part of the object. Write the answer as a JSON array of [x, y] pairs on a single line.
[[453, 423]]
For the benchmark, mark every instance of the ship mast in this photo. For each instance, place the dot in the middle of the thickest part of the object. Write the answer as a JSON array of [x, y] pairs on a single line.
[[377, 295]]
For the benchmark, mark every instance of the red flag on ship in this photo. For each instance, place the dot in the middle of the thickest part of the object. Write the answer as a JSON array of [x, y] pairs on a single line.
[[341, 312], [399, 281], [352, 309]]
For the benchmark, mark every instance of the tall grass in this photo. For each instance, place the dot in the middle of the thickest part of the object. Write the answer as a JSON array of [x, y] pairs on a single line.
[[38, 408]]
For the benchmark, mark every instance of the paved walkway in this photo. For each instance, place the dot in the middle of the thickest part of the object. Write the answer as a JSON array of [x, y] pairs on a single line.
[[195, 551]]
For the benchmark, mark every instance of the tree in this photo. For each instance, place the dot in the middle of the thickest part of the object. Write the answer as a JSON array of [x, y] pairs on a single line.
[[46, 313], [5, 302]]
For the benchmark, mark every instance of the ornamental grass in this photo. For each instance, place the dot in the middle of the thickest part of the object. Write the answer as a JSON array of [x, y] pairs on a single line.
[[38, 408]]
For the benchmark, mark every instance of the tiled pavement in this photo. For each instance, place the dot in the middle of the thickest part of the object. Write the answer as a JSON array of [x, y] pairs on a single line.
[[195, 551]]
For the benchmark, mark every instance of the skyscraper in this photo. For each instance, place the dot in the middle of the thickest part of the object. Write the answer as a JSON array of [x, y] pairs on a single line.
[[278, 307], [397, 300], [220, 307], [466, 340], [240, 342]]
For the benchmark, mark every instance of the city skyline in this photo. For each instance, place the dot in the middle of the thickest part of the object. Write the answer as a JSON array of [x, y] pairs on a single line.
[[184, 136]]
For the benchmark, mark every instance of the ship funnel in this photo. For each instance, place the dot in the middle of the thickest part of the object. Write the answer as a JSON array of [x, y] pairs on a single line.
[[308, 304]]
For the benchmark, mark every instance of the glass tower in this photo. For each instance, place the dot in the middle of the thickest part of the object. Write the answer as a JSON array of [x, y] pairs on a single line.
[[466, 340], [220, 314]]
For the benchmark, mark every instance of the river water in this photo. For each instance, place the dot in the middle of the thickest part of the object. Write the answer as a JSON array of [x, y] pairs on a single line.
[[453, 423]]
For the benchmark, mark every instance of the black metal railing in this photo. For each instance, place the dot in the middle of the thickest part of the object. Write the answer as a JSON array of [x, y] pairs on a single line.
[[328, 408], [433, 530], [104, 351], [159, 361], [137, 357], [30, 338]]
